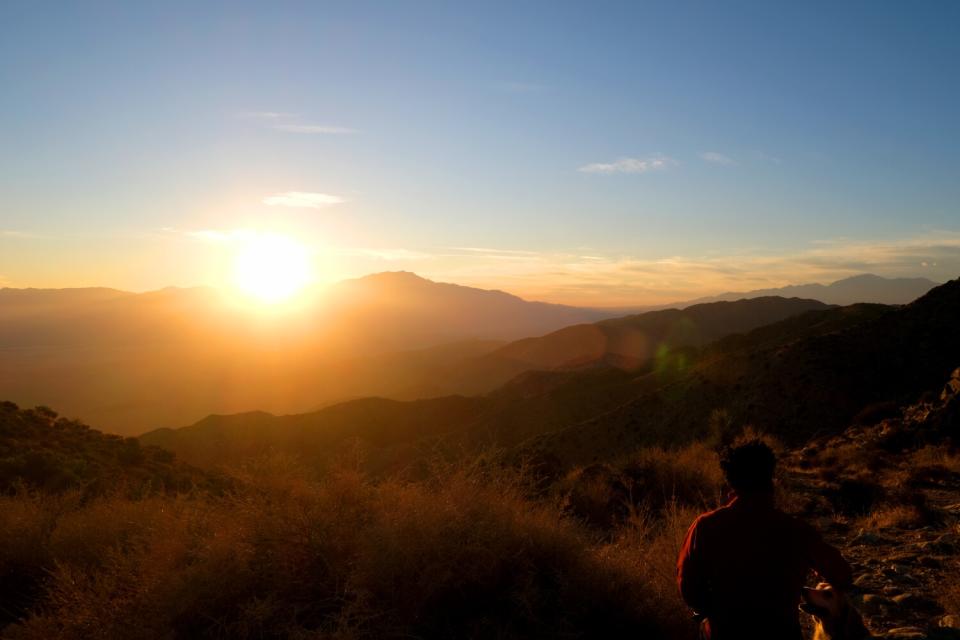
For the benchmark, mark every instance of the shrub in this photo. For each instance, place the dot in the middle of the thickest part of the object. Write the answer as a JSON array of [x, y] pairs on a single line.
[[465, 555], [690, 477]]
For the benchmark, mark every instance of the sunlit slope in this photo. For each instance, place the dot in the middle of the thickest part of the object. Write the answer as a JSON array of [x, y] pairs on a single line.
[[633, 341], [530, 405], [807, 374], [794, 379], [127, 362]]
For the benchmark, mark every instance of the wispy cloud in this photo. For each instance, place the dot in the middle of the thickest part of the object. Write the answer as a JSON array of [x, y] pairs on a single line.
[[293, 123], [265, 115], [12, 233], [213, 235], [575, 277], [314, 129], [630, 165], [714, 157], [302, 200], [597, 279], [388, 255], [490, 251]]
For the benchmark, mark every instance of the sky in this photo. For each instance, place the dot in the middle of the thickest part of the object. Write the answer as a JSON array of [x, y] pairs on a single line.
[[601, 153]]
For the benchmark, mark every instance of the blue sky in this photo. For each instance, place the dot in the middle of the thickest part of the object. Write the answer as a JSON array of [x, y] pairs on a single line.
[[602, 153]]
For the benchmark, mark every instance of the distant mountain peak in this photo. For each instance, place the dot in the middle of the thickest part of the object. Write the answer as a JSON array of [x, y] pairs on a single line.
[[864, 287]]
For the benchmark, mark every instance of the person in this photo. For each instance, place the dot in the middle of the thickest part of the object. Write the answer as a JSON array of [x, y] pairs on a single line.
[[742, 567]]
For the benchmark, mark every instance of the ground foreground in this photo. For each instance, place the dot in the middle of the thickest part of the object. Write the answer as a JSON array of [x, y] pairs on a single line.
[[276, 549]]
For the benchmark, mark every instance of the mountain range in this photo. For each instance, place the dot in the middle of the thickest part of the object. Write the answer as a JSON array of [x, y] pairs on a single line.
[[862, 288], [127, 362], [629, 346], [810, 372]]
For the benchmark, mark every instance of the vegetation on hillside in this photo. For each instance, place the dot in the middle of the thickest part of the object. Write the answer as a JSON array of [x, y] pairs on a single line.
[[472, 550], [809, 373], [41, 450], [474, 553]]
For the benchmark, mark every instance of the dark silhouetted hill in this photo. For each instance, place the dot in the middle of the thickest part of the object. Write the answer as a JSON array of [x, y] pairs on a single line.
[[633, 341], [794, 379], [630, 343], [530, 404], [40, 450]]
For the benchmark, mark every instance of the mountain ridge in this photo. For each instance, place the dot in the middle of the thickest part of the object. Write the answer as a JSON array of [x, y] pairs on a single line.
[[865, 287]]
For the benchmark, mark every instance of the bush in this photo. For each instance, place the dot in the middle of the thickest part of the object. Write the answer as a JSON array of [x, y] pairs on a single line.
[[689, 477], [461, 556]]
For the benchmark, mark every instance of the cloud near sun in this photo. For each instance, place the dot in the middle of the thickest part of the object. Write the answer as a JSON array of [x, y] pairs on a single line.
[[630, 165], [302, 200]]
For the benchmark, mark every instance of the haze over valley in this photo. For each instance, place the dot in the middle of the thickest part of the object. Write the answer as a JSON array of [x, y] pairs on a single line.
[[116, 359]]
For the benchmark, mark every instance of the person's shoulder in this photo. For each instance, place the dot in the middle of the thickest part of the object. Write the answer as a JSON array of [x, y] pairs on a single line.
[[713, 516]]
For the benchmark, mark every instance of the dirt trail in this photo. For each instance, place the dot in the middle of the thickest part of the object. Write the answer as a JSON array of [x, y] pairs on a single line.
[[888, 495]]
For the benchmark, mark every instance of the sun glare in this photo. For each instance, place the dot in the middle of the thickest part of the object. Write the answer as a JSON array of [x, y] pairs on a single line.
[[272, 268]]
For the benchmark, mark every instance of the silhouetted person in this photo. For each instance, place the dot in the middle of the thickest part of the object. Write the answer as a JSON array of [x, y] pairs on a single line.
[[743, 566]]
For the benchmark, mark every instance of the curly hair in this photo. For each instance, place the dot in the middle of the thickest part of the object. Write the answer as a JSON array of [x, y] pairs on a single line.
[[749, 466]]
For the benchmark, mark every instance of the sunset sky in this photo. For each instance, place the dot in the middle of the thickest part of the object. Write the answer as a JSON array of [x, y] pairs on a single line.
[[594, 153]]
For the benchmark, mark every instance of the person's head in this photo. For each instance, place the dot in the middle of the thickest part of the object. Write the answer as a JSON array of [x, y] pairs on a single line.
[[749, 467]]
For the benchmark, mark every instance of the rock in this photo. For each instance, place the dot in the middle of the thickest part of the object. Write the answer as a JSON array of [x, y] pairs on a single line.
[[873, 603], [916, 603], [905, 633], [868, 538], [906, 558], [947, 543], [930, 562], [950, 622], [863, 580]]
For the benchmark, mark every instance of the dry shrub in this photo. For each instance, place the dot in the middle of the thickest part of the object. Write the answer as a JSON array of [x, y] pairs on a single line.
[[25, 522], [688, 476], [933, 466], [652, 545], [939, 456], [948, 589], [461, 556], [901, 516], [596, 495], [850, 459]]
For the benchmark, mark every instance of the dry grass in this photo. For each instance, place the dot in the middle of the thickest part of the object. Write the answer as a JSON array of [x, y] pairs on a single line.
[[949, 591], [900, 516], [463, 556], [648, 482]]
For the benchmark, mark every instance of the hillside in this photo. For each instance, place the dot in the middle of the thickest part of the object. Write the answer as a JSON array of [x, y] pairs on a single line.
[[809, 373], [633, 341], [788, 383], [630, 343], [532, 403], [40, 450], [116, 359], [395, 431]]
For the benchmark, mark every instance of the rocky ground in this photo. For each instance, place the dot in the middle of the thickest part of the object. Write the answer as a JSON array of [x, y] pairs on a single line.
[[888, 495]]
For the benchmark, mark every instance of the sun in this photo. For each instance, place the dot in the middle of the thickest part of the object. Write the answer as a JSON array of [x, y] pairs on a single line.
[[272, 268]]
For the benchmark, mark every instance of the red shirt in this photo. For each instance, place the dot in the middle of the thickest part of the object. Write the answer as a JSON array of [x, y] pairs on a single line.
[[743, 567]]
